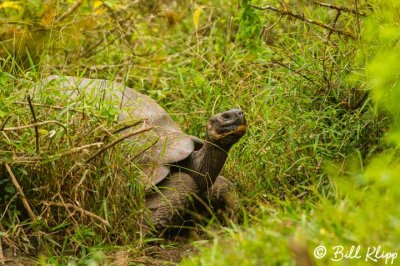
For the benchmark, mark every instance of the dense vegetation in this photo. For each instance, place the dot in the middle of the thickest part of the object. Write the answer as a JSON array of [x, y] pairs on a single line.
[[318, 83]]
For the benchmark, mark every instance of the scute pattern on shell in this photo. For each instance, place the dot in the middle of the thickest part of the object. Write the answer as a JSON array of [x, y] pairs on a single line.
[[169, 143]]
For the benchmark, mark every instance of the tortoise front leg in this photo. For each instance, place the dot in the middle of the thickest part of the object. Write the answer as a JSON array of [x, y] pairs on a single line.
[[172, 198], [221, 195]]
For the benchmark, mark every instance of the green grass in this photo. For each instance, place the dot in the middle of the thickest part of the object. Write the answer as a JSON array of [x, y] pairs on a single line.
[[312, 169]]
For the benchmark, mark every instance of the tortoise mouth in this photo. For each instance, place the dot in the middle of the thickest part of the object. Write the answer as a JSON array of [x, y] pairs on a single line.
[[237, 126], [241, 128], [229, 130]]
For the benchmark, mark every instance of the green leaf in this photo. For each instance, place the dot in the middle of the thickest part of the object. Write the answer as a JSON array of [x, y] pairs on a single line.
[[9, 189]]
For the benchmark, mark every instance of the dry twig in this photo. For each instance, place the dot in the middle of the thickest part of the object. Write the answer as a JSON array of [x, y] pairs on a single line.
[[340, 8], [21, 193], [33, 125], [71, 10], [77, 208], [1, 254], [40, 124], [4, 123], [77, 149], [325, 76], [56, 156], [127, 126], [115, 142], [297, 72], [304, 19], [34, 121], [125, 31], [56, 107]]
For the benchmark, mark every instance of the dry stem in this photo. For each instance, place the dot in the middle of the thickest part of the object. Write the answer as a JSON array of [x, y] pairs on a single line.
[[33, 125], [71, 10], [69, 152], [1, 254], [21, 193], [5, 122], [126, 126], [40, 124], [111, 144], [59, 108], [34, 121], [304, 19], [77, 208], [340, 8]]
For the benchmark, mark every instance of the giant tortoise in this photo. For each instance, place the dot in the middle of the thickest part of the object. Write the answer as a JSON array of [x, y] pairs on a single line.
[[176, 166]]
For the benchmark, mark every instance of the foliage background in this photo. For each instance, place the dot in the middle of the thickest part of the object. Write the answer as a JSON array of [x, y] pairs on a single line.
[[319, 164]]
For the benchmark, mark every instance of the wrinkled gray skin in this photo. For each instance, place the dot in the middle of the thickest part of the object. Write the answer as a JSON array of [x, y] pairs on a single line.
[[198, 174], [176, 167]]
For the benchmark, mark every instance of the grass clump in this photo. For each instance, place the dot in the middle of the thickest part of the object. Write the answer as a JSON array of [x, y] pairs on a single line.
[[75, 178], [362, 213], [306, 171]]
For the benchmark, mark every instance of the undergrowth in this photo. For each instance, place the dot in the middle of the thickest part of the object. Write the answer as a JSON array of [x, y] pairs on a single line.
[[301, 171], [74, 183]]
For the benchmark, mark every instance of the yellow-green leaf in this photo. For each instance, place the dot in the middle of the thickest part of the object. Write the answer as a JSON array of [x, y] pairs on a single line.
[[43, 132], [10, 4], [99, 7], [196, 16], [97, 4]]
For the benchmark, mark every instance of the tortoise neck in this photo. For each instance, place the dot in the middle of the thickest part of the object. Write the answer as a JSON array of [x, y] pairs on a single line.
[[206, 164]]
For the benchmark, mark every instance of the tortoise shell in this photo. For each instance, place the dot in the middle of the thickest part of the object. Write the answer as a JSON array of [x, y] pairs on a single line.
[[169, 144]]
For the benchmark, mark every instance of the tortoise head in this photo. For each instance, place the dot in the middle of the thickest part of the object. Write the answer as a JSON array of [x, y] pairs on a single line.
[[225, 129]]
